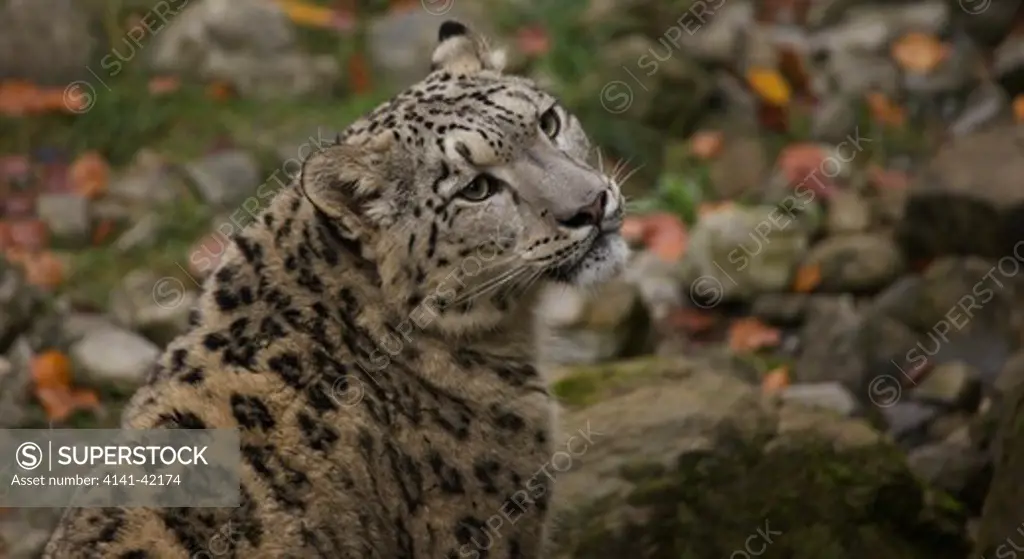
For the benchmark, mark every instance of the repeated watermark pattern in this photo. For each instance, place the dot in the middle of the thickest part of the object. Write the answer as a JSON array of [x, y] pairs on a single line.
[[756, 543], [708, 291], [885, 390], [617, 95], [437, 7], [518, 505], [80, 96], [169, 292], [975, 7]]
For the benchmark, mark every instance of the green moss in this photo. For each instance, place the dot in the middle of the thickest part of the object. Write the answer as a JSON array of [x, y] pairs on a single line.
[[808, 500], [588, 384]]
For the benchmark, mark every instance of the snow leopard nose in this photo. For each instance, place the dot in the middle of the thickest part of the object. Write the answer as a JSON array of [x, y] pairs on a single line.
[[590, 214]]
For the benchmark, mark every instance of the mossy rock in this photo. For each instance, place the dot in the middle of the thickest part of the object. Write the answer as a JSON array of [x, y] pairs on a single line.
[[1003, 512], [696, 463]]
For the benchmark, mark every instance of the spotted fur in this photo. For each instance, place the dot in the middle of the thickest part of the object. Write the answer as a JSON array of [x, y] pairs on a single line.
[[370, 336]]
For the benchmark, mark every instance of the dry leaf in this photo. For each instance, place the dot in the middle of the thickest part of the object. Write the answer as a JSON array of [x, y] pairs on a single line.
[[793, 70], [60, 403], [919, 52], [162, 85], [770, 86], [220, 91], [44, 269], [359, 74], [804, 164], [533, 40], [707, 144], [775, 380], [807, 278], [885, 110], [311, 15], [633, 229], [691, 320], [102, 231], [51, 369], [24, 234], [90, 174], [707, 208], [750, 334], [1018, 107], [664, 234]]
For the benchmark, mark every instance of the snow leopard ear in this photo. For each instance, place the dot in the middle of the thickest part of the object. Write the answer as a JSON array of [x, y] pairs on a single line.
[[348, 181], [460, 51]]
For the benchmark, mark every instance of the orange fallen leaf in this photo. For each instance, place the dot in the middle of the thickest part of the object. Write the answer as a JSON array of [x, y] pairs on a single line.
[[775, 380], [1018, 107], [533, 40], [51, 369], [304, 13], [773, 118], [220, 91], [807, 278], [920, 265], [750, 334], [162, 85], [89, 174], [359, 74], [59, 403], [44, 270], [691, 320], [665, 235], [707, 144], [102, 231], [794, 71], [25, 234], [919, 52], [769, 84], [707, 208], [884, 110], [804, 164], [633, 229]]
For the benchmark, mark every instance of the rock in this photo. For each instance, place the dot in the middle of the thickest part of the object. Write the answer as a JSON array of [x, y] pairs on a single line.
[[142, 234], [986, 103], [856, 262], [15, 385], [401, 43], [781, 308], [1004, 507], [149, 180], [855, 73], [225, 179], [826, 395], [830, 351], [66, 215], [847, 213], [156, 307], [969, 200], [19, 304], [908, 421], [613, 323], [657, 452], [717, 33], [254, 48], [834, 120], [739, 252], [954, 384], [48, 42], [25, 531], [658, 282], [740, 170], [953, 466], [113, 356]]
